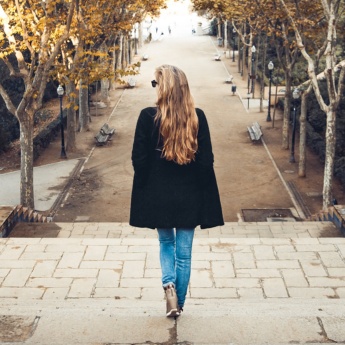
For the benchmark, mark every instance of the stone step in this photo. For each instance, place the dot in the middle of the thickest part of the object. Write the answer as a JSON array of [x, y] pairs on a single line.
[[204, 322], [229, 230]]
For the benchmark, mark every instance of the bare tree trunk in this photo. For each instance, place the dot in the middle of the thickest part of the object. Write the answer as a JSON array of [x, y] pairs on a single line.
[[83, 107], [287, 110], [140, 35], [105, 90], [239, 58], [302, 164], [219, 33], [119, 54], [26, 161], [226, 43], [329, 157], [71, 144], [124, 52], [262, 80], [113, 52], [243, 59]]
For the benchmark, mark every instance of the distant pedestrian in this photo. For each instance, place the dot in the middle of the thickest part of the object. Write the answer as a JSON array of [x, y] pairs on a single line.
[[169, 29], [174, 186]]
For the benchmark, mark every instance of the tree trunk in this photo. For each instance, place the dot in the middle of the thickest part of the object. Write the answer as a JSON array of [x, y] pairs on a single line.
[[329, 158], [140, 35], [239, 55], [112, 84], [262, 79], [124, 59], [243, 60], [119, 54], [287, 111], [26, 161], [226, 43], [83, 107], [105, 90], [71, 144], [302, 136]]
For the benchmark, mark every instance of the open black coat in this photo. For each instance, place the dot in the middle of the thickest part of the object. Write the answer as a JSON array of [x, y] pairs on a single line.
[[168, 195]]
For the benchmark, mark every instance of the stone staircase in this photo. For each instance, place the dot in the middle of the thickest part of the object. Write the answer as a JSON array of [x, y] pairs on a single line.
[[10, 216], [307, 229], [334, 214], [252, 283]]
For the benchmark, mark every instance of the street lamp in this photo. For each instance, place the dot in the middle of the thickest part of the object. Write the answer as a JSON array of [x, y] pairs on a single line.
[[60, 92], [253, 73], [234, 39], [295, 95], [270, 69]]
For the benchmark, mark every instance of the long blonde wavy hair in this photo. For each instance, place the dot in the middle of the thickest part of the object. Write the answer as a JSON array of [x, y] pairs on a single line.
[[176, 116]]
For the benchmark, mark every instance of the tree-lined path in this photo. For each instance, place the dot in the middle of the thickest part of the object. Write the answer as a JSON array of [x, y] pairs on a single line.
[[246, 174]]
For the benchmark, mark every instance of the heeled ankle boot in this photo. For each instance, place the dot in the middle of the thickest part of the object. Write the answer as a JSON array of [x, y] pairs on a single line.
[[171, 299]]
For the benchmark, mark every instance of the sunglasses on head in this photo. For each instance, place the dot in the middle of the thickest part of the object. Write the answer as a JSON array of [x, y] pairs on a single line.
[[154, 83]]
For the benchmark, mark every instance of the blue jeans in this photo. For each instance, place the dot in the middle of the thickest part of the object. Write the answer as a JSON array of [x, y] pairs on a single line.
[[176, 258]]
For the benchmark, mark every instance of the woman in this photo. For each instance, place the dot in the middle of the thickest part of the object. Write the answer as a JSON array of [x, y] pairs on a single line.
[[174, 187]]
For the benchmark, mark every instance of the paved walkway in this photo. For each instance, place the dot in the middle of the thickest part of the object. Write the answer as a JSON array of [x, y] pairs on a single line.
[[99, 283]]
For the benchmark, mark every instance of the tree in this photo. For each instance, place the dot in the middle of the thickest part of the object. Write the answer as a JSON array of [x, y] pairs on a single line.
[[33, 32], [334, 78]]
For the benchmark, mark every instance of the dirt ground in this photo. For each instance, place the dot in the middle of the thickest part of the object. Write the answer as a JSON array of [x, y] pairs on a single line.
[[246, 175]]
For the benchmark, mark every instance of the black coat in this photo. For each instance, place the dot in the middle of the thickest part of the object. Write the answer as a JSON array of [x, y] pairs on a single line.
[[168, 195]]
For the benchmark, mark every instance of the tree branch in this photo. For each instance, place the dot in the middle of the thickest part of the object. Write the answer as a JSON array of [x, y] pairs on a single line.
[[12, 42], [9, 105]]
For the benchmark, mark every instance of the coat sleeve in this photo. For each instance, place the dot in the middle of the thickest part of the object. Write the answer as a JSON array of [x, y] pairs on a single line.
[[140, 151], [204, 157]]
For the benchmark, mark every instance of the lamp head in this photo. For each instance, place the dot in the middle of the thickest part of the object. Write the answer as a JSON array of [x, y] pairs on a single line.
[[60, 91], [296, 93], [253, 49], [270, 65]]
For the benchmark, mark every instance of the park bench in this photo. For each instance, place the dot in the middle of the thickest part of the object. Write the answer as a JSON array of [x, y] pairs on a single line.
[[230, 79], [101, 139], [104, 135], [106, 130], [255, 132], [145, 57], [131, 82], [217, 57]]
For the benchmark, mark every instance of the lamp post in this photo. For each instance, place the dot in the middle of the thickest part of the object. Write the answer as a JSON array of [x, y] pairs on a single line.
[[295, 95], [234, 39], [253, 73], [60, 92], [270, 69]]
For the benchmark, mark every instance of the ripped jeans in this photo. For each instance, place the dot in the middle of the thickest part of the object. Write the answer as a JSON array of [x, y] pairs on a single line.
[[176, 258]]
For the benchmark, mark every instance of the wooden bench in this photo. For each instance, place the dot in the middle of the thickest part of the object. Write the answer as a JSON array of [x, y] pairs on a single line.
[[101, 139], [255, 132], [106, 130], [217, 57], [104, 135]]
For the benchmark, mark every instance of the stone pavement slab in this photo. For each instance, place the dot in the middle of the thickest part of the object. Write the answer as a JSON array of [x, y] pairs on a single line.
[[76, 267]]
